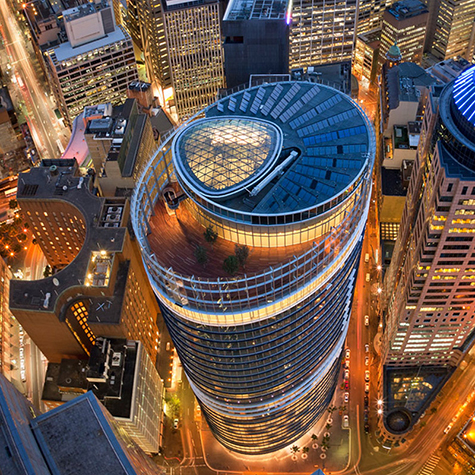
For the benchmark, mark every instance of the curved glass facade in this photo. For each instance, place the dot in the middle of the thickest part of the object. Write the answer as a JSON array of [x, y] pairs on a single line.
[[261, 349]]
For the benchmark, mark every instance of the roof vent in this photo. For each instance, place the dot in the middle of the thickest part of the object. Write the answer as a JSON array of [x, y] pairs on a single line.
[[53, 169]]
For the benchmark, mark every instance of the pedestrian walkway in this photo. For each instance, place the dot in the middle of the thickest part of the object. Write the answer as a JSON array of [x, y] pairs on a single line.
[[429, 466]]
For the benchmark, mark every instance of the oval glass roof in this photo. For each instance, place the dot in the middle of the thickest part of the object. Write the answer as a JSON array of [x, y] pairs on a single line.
[[220, 156]]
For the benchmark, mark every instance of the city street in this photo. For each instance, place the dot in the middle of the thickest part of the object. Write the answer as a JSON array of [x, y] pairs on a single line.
[[19, 61]]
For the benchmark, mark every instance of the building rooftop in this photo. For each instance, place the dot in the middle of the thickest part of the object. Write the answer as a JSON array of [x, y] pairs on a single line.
[[257, 10], [91, 447], [105, 220], [65, 51], [449, 69], [83, 10], [391, 182], [464, 94], [407, 9], [323, 126]]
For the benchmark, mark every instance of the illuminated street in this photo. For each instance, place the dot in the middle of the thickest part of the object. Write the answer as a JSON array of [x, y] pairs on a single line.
[[39, 108]]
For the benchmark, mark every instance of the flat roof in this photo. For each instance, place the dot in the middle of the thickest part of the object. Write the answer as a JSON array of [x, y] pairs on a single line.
[[325, 128], [65, 51], [256, 10]]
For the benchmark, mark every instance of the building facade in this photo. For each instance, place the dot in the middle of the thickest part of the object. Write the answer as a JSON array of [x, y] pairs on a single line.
[[370, 14], [256, 40], [195, 52], [404, 23], [282, 170], [95, 65], [322, 32], [99, 286], [454, 29], [430, 311]]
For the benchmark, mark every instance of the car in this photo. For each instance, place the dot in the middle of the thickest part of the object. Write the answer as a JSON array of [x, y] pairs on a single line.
[[175, 424], [366, 348], [347, 385], [447, 429], [366, 388], [366, 401], [366, 428], [366, 375], [366, 320], [347, 364], [347, 397], [346, 374], [367, 277], [346, 422], [366, 257], [366, 360], [347, 353]]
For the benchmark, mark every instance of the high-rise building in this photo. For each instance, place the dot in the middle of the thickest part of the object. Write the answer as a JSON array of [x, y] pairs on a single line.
[[95, 65], [145, 21], [404, 23], [365, 60], [195, 52], [99, 286], [256, 39], [322, 32], [78, 438], [283, 171], [120, 140], [453, 29], [370, 13], [122, 376], [428, 287]]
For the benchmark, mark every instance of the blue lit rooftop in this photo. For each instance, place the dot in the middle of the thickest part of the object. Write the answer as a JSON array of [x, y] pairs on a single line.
[[464, 94]]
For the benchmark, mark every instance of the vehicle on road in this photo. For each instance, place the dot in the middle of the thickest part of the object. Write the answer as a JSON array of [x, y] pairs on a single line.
[[347, 374], [175, 424], [367, 277], [366, 401], [366, 320], [347, 353], [366, 375], [346, 422], [366, 428], [366, 348], [347, 385], [366, 257], [366, 360], [347, 364], [347, 397], [366, 388]]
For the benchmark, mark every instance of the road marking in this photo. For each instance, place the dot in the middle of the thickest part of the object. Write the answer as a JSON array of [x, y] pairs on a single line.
[[428, 467]]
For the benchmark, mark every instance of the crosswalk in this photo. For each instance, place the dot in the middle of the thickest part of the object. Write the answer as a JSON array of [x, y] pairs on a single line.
[[428, 467]]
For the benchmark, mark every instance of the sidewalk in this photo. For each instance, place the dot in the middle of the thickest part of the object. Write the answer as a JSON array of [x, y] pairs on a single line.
[[335, 459]]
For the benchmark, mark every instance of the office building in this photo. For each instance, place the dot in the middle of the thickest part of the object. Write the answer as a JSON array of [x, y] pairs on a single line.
[[365, 59], [95, 65], [120, 139], [122, 376], [78, 438], [283, 169], [453, 29], [322, 32], [195, 53], [99, 286], [429, 325], [370, 13], [256, 39], [404, 23], [145, 22]]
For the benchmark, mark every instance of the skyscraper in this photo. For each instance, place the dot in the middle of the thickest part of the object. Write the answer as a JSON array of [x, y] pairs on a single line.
[[195, 51], [370, 14], [322, 32], [256, 39], [429, 285], [284, 169], [404, 23], [454, 29], [95, 65]]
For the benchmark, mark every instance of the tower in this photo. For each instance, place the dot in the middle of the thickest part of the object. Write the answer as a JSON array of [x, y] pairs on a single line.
[[284, 171], [322, 32], [430, 322]]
